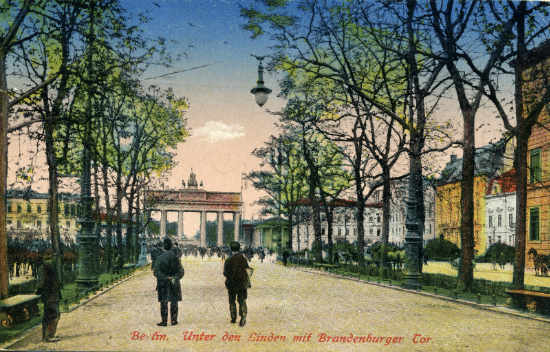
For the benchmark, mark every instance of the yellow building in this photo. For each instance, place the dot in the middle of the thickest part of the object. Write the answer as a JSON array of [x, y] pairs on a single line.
[[28, 210], [538, 159], [490, 161]]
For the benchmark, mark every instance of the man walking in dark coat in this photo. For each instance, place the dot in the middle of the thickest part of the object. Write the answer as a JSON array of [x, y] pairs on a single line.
[[237, 282], [50, 289], [168, 271]]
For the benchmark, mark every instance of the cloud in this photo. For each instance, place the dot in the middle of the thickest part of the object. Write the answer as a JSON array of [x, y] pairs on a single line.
[[216, 131]]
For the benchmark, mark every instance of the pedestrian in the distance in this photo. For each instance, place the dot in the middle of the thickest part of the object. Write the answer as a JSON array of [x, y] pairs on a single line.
[[50, 289], [168, 271], [237, 282]]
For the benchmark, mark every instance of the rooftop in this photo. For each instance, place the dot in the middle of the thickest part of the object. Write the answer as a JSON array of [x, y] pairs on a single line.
[[488, 160]]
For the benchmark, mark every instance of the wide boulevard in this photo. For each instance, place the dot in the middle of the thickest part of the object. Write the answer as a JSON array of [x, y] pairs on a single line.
[[288, 310]]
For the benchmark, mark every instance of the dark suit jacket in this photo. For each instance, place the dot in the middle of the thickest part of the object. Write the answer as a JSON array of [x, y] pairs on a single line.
[[49, 287], [234, 270], [168, 265]]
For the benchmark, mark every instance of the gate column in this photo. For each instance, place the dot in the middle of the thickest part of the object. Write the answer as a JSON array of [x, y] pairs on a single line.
[[203, 228], [180, 224], [220, 228], [236, 222], [163, 217]]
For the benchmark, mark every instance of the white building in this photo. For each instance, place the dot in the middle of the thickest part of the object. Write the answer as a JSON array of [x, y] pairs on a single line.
[[344, 226], [500, 207], [398, 211]]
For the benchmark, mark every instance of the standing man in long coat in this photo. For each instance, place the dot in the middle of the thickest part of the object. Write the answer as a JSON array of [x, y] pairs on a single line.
[[168, 271], [49, 288], [237, 282]]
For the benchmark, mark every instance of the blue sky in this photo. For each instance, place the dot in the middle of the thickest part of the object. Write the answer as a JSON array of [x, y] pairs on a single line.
[[226, 125]]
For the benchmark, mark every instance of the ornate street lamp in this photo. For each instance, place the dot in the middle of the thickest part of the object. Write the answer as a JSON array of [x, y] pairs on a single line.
[[413, 237], [261, 92]]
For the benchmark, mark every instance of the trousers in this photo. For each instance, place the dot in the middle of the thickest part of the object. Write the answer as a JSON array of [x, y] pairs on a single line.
[[50, 320], [173, 311], [240, 296]]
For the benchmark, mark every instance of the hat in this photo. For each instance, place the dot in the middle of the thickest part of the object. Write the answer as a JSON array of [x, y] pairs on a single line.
[[48, 253], [235, 246], [167, 243]]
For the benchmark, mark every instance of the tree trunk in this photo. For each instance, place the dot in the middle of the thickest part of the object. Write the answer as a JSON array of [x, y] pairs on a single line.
[[316, 210], [520, 164], [330, 220], [520, 156], [4, 273], [466, 272], [289, 228], [109, 219], [99, 261], [120, 244], [386, 199], [53, 200]]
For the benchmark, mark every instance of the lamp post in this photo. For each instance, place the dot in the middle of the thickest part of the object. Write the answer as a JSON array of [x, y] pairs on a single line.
[[261, 92], [413, 239], [87, 239]]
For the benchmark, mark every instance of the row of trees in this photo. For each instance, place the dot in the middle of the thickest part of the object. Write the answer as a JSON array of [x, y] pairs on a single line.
[[370, 78], [81, 63]]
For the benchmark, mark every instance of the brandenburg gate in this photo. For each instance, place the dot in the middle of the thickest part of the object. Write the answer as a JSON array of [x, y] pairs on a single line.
[[195, 199]]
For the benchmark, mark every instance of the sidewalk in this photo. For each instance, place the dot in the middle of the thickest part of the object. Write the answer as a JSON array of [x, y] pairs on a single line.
[[498, 308]]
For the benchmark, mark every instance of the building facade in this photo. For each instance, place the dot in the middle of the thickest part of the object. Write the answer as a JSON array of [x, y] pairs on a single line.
[[398, 211], [490, 161], [500, 205], [344, 225], [28, 210], [538, 159]]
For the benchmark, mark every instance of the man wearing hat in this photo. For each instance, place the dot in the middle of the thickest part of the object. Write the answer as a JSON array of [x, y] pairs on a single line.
[[237, 282], [168, 271], [49, 288]]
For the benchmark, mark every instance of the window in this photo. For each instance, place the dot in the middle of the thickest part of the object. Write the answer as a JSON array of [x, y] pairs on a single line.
[[377, 232], [490, 239], [19, 209], [18, 224], [499, 239], [10, 207], [499, 220], [66, 209], [322, 231], [511, 220], [534, 224], [535, 170], [378, 218], [9, 222], [490, 221], [370, 231], [29, 209], [68, 223], [339, 231], [39, 209], [38, 223]]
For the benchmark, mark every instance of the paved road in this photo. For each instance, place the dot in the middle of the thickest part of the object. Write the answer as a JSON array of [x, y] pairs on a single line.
[[340, 315]]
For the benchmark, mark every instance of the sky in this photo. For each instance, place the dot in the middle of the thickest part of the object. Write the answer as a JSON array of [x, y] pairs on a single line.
[[225, 122]]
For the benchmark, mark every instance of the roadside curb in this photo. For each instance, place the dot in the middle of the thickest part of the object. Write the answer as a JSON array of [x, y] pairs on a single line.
[[496, 309], [5, 346]]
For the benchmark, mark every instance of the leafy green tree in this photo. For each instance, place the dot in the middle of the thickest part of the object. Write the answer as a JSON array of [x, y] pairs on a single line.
[[441, 249], [282, 179]]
